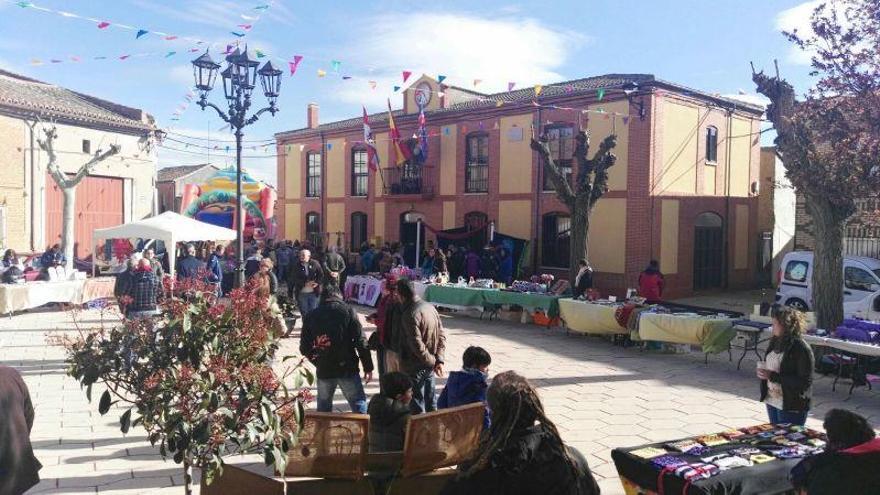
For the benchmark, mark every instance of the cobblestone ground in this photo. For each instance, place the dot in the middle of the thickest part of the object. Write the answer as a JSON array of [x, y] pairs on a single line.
[[599, 395]]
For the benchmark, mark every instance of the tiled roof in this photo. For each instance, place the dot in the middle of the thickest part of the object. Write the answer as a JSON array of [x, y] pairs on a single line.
[[574, 87], [171, 173], [24, 96]]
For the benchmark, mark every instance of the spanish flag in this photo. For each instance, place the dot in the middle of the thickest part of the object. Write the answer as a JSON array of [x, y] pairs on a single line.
[[402, 153]]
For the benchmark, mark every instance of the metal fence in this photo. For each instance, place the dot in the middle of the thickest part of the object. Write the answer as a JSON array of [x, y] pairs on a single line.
[[861, 246]]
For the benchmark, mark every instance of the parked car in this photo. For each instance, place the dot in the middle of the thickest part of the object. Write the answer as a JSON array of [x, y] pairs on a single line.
[[861, 279]]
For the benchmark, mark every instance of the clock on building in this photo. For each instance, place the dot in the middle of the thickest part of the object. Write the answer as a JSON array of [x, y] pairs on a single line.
[[423, 94]]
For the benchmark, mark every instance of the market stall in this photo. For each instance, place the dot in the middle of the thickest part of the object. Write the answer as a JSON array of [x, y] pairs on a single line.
[[714, 333], [169, 227], [590, 317], [753, 460], [476, 298], [21, 297]]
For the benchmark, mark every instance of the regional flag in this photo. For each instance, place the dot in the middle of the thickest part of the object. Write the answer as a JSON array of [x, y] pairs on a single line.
[[372, 156], [402, 153]]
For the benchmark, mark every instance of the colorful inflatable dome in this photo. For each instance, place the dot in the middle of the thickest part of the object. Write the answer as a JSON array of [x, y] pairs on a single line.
[[214, 202]]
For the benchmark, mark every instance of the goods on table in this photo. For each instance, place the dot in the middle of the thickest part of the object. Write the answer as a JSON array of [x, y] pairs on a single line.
[[854, 330], [482, 283], [523, 286]]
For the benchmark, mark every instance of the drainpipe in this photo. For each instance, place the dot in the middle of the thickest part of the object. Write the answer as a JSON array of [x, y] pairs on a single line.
[[727, 175], [323, 186], [539, 189], [32, 192]]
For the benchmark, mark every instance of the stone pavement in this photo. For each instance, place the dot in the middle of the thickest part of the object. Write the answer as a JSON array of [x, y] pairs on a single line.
[[600, 396]]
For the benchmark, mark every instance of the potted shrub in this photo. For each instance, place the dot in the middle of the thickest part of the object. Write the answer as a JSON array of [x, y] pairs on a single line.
[[198, 378]]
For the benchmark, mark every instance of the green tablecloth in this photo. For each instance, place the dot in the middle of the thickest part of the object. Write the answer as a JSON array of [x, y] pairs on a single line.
[[479, 298]]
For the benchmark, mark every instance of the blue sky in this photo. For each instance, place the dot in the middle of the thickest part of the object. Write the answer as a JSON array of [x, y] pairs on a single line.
[[704, 45]]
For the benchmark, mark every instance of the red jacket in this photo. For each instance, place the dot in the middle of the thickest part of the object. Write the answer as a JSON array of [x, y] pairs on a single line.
[[651, 285]]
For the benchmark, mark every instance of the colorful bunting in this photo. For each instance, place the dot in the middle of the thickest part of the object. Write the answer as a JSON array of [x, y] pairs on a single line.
[[335, 64], [294, 64], [261, 7], [259, 54], [322, 73], [406, 75], [140, 33], [600, 93], [246, 27], [396, 89], [170, 38], [101, 58], [24, 5], [510, 86], [372, 84], [169, 54], [240, 35], [36, 61], [346, 78], [440, 79], [103, 25], [56, 61], [124, 57], [329, 146], [74, 58]]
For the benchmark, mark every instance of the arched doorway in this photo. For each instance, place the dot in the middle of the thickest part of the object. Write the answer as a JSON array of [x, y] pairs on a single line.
[[409, 226], [708, 251]]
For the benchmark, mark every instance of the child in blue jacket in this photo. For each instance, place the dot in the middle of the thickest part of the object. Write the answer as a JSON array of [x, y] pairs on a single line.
[[469, 385]]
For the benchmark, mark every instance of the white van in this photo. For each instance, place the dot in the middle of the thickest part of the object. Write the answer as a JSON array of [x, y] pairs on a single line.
[[861, 279]]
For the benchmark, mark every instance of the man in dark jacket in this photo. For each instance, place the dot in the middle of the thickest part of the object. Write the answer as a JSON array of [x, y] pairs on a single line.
[[123, 280], [422, 344], [333, 340], [189, 267], [849, 463], [283, 257], [304, 282], [143, 289], [19, 469], [334, 267], [389, 412], [489, 264]]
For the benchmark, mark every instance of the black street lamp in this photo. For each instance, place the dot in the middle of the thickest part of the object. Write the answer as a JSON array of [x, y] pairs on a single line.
[[239, 80]]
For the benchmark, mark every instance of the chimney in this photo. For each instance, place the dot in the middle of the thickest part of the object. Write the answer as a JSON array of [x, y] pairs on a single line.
[[312, 116]]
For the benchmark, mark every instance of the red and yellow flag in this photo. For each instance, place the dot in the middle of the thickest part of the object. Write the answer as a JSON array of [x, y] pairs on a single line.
[[402, 153]]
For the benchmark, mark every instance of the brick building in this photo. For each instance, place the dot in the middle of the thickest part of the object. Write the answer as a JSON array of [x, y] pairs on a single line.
[[118, 190], [171, 181], [683, 191]]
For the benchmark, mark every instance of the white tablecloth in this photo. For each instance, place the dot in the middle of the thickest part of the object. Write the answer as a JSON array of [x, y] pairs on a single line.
[[363, 290], [19, 297], [843, 345]]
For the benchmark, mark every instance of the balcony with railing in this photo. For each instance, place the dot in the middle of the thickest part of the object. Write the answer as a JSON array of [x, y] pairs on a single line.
[[409, 182]]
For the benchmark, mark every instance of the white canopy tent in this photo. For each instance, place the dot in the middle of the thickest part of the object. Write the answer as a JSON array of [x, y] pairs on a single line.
[[169, 227]]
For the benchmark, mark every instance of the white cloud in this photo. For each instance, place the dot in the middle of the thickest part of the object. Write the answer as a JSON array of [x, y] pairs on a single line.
[[797, 19], [462, 46]]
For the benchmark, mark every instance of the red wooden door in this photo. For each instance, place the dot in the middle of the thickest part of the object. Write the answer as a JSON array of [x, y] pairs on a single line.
[[98, 205]]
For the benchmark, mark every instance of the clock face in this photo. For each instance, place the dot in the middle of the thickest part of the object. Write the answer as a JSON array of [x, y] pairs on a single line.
[[423, 94]]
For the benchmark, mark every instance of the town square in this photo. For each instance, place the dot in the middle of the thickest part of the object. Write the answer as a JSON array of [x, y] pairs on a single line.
[[530, 248]]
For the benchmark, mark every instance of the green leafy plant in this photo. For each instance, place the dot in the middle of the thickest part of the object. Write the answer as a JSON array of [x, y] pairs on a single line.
[[199, 378]]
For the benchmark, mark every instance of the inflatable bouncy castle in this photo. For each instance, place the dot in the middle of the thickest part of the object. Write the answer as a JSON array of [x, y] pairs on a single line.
[[214, 202]]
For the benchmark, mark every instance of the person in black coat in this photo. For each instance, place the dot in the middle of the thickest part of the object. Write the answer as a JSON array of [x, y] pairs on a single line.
[[190, 267], [389, 412], [304, 280], [335, 356], [522, 453], [143, 289], [584, 280], [19, 468], [786, 374], [849, 463]]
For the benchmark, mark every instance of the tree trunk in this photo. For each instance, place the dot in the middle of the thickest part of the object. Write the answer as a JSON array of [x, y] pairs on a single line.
[[67, 236], [827, 279], [580, 229]]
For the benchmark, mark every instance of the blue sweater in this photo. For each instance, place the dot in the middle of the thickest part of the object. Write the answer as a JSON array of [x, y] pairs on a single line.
[[467, 386]]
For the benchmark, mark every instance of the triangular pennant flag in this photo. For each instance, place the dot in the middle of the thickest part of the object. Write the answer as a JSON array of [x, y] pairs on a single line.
[[124, 57], [169, 54], [538, 89], [74, 58], [346, 78], [246, 27], [261, 7], [103, 24], [477, 81], [396, 89], [248, 17], [406, 75], [227, 149], [228, 50], [140, 33], [372, 84], [101, 58], [499, 103], [600, 93], [510, 86], [193, 50], [170, 38], [259, 54], [625, 120], [56, 61], [322, 73], [240, 35], [36, 61], [335, 64], [24, 5], [440, 79], [294, 64], [329, 146]]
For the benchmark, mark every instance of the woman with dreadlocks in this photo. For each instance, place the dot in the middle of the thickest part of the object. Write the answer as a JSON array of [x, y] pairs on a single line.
[[522, 453]]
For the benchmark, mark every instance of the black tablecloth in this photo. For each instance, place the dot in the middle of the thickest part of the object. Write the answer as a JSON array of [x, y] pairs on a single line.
[[760, 479]]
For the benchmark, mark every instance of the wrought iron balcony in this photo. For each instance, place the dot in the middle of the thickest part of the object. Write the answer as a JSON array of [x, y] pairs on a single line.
[[409, 181]]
